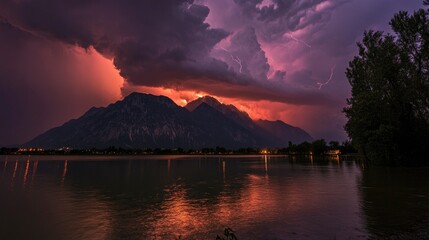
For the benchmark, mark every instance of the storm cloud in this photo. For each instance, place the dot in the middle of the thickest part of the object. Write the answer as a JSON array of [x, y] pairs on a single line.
[[166, 43], [273, 52]]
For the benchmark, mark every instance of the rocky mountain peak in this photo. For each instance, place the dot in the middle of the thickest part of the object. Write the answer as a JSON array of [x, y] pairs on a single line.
[[144, 120], [209, 100], [229, 110]]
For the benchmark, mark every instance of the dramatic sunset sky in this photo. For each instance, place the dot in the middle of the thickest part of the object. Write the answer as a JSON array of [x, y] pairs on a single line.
[[275, 59]]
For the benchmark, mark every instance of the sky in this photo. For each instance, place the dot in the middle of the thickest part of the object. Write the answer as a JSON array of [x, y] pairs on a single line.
[[275, 59]]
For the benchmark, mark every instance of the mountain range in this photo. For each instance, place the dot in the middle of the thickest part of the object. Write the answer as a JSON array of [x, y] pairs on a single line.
[[148, 121]]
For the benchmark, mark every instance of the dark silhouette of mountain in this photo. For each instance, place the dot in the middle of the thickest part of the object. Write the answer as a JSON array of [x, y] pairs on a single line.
[[271, 133], [226, 131], [148, 121], [284, 132], [230, 111]]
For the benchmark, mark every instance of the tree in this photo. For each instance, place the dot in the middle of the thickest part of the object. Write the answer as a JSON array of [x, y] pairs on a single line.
[[388, 113], [333, 145], [319, 147], [304, 147]]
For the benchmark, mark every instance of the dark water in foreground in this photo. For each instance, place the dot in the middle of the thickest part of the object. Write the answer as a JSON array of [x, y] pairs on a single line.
[[196, 197]]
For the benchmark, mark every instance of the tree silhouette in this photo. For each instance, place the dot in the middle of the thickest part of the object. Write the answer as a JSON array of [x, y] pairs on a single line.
[[388, 113]]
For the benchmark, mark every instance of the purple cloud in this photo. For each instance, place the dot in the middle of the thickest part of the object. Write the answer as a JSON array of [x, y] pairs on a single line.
[[249, 49]]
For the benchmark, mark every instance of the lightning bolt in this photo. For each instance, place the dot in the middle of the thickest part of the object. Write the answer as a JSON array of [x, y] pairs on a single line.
[[235, 59], [299, 41], [238, 60], [188, 5], [330, 78]]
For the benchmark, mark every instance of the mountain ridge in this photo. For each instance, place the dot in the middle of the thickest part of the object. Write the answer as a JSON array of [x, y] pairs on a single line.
[[148, 121]]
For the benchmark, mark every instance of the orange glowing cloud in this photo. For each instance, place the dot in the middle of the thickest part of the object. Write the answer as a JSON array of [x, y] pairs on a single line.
[[105, 76]]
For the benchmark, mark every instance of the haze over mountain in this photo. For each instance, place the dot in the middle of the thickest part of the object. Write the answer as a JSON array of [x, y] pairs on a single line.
[[148, 121]]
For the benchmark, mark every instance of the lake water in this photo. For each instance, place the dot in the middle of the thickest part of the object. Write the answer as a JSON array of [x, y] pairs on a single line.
[[172, 197]]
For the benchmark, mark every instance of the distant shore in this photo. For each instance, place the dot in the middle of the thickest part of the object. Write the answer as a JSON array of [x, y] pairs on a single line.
[[303, 149], [24, 157]]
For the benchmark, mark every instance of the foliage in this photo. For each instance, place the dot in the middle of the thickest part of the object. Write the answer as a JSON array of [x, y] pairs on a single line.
[[317, 147], [6, 151], [388, 113], [228, 234]]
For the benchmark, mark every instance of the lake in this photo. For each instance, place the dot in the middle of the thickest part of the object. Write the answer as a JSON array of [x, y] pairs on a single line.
[[196, 197]]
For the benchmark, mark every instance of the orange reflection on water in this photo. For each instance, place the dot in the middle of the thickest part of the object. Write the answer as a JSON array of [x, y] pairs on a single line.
[[223, 169], [14, 174], [257, 198], [26, 171], [179, 216], [64, 172], [266, 165], [195, 209], [335, 158], [14, 170], [262, 201]]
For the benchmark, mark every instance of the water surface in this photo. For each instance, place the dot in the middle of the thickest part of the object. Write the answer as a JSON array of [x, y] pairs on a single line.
[[167, 197]]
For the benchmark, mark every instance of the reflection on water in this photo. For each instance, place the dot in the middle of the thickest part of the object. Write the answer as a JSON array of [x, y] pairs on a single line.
[[261, 197], [26, 171], [395, 202]]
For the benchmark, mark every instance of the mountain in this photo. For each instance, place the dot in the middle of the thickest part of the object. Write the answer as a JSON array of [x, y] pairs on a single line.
[[138, 120], [148, 121], [226, 131], [284, 132], [230, 111], [272, 133]]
